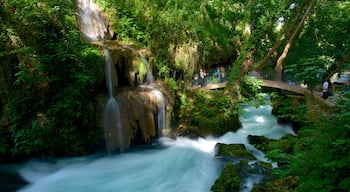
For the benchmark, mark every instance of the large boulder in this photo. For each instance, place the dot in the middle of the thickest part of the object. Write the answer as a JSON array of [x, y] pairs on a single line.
[[259, 142], [233, 151]]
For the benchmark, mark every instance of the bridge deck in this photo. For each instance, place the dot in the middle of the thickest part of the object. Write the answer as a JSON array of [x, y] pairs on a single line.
[[284, 86], [266, 83]]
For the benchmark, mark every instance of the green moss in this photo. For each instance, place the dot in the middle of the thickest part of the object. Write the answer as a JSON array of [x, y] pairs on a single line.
[[212, 112], [229, 179], [233, 150]]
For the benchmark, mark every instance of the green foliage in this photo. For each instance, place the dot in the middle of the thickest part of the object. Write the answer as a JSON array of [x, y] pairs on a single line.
[[290, 109], [324, 36], [320, 157], [213, 113], [229, 179], [171, 84], [251, 91], [51, 75], [310, 71]]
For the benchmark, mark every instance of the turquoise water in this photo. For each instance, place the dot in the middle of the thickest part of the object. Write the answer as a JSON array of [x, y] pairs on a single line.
[[169, 165]]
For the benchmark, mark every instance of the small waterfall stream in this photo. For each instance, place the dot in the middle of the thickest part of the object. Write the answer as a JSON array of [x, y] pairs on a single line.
[[149, 75], [94, 27], [111, 118], [91, 23], [161, 111]]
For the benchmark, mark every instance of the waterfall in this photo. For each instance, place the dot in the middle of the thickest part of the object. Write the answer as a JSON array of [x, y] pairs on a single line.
[[108, 67], [91, 24], [93, 27], [160, 111], [111, 117], [119, 122], [149, 75]]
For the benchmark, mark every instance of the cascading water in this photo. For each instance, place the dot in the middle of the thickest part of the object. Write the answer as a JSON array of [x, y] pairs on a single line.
[[111, 118], [170, 165], [91, 22], [94, 27], [149, 75], [161, 111], [161, 108]]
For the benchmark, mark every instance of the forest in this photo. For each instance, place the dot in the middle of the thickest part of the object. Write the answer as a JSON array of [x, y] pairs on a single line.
[[50, 75]]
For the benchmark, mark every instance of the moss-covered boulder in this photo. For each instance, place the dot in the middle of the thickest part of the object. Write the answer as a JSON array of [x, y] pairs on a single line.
[[284, 144], [187, 131], [234, 173], [259, 142], [233, 151], [229, 180], [286, 184], [213, 113]]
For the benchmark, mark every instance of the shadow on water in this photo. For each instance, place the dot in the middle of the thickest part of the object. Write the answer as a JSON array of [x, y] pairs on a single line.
[[10, 180]]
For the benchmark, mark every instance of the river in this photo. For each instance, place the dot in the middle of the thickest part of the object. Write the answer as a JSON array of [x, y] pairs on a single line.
[[167, 165]]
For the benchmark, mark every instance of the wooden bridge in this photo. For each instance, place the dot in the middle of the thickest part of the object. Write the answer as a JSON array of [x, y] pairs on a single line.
[[267, 84]]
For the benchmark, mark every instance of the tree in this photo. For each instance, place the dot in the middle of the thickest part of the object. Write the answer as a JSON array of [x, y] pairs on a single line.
[[291, 40]]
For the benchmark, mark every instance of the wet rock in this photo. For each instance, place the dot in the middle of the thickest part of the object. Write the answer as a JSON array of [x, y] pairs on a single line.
[[187, 131], [233, 151], [288, 183], [143, 115], [229, 179], [259, 142]]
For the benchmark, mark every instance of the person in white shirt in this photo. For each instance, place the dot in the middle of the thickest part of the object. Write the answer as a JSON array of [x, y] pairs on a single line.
[[202, 75], [325, 90]]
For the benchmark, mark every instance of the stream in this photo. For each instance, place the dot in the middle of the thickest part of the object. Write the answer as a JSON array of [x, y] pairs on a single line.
[[166, 165]]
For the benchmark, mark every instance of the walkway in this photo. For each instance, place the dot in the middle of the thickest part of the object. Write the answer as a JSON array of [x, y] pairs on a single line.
[[293, 88]]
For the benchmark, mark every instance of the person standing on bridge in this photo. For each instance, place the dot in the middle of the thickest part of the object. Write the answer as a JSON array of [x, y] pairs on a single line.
[[346, 86], [202, 75], [330, 88], [325, 89], [222, 72]]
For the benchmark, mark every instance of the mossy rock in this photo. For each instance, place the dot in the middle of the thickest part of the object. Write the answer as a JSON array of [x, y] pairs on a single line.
[[213, 113], [217, 125], [233, 150], [187, 131], [229, 180], [285, 144], [258, 188], [259, 142], [266, 166], [232, 175], [286, 184]]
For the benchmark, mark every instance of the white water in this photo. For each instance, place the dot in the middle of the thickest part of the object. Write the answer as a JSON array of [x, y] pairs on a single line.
[[161, 112], [108, 67], [172, 166], [91, 22], [113, 129], [149, 74]]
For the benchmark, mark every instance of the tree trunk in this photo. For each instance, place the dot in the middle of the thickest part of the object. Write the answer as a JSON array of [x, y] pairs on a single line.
[[287, 30], [284, 54], [340, 65], [244, 60], [268, 55]]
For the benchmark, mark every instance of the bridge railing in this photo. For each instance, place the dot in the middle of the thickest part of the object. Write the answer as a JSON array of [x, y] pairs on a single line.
[[272, 76]]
